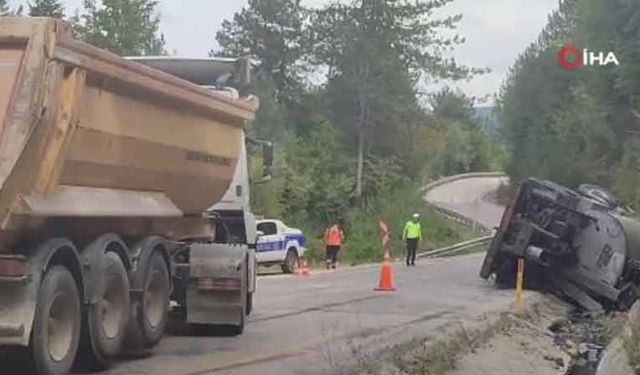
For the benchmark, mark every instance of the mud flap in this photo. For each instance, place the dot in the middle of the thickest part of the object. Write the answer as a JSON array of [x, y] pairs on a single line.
[[209, 265], [20, 295], [17, 307]]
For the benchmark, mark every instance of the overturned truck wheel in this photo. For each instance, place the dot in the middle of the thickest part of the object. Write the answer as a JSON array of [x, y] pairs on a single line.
[[150, 306]]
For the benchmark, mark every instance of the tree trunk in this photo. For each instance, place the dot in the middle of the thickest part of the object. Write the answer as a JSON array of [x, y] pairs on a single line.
[[360, 162]]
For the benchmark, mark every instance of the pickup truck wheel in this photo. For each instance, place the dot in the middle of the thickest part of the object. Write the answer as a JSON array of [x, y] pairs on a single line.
[[56, 324], [107, 318], [290, 261]]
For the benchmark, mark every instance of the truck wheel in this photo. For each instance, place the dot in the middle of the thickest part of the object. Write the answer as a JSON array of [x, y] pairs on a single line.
[[107, 318], [150, 311], [244, 290], [249, 303], [290, 261], [56, 324]]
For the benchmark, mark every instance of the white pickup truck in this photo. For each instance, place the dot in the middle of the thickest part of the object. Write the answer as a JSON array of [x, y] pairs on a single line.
[[279, 245]]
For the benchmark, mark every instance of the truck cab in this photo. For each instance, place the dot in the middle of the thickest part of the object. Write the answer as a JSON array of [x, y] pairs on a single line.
[[233, 224]]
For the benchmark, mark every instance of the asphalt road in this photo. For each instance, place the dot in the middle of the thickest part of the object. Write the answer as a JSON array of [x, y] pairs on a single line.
[[312, 325], [469, 198]]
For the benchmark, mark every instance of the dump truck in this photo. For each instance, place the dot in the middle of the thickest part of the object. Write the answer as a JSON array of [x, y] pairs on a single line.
[[578, 244], [124, 196]]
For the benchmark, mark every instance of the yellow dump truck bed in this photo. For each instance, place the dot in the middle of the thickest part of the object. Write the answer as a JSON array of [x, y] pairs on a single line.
[[93, 142]]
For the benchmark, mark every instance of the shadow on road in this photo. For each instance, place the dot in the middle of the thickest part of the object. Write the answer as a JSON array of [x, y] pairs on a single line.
[[181, 329]]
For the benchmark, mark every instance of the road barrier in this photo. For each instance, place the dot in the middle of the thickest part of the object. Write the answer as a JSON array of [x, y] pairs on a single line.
[[457, 248], [453, 215], [446, 180]]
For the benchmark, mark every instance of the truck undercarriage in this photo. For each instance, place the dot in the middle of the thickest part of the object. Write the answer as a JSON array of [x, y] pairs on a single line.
[[575, 243]]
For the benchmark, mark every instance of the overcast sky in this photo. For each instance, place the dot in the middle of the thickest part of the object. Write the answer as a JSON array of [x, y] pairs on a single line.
[[496, 30]]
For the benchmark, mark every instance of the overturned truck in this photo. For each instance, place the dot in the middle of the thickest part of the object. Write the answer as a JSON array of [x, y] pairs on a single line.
[[575, 243]]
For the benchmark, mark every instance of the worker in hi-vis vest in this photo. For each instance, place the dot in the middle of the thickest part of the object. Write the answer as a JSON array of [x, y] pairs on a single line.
[[412, 234], [333, 237]]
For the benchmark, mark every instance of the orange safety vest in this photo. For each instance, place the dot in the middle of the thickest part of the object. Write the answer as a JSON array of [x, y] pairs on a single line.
[[333, 236]]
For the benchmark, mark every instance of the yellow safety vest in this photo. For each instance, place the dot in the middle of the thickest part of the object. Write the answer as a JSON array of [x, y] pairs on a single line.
[[412, 231]]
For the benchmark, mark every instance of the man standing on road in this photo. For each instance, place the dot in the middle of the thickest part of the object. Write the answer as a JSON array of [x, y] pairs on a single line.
[[412, 234], [333, 237]]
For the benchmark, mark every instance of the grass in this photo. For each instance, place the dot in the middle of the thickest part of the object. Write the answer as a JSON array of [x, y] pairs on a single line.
[[632, 347], [440, 357], [363, 244], [424, 356]]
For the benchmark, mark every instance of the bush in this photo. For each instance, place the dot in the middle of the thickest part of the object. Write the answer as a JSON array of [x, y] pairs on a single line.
[[363, 244]]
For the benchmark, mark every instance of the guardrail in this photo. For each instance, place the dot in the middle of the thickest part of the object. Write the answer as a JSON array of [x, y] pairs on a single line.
[[453, 215], [448, 179], [453, 249]]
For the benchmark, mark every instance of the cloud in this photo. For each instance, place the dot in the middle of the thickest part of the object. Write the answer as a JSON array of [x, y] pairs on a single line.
[[496, 30]]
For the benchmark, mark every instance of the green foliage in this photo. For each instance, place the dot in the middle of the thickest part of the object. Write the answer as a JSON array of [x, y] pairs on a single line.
[[309, 183], [376, 52], [4, 8], [363, 243], [578, 126], [273, 31], [46, 8], [454, 139], [366, 114], [124, 27]]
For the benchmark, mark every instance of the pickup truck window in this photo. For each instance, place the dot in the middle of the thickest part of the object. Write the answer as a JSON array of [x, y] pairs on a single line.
[[268, 228]]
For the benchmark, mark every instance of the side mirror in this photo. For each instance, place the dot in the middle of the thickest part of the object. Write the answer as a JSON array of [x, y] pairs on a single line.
[[259, 234]]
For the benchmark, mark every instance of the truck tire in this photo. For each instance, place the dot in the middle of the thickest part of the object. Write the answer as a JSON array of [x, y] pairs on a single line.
[[56, 324], [290, 261], [149, 312], [242, 313], [249, 303], [107, 318]]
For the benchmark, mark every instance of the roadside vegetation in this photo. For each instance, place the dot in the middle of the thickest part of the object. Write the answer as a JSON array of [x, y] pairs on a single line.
[[358, 142], [578, 126], [354, 135], [363, 244], [424, 356]]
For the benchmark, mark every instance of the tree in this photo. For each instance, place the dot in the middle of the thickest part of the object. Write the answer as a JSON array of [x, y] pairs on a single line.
[[124, 27], [464, 145], [376, 51], [578, 126], [4, 8], [46, 8], [274, 32]]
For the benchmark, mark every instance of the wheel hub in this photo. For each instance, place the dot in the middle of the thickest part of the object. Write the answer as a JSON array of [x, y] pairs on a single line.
[[154, 298], [60, 327], [112, 307]]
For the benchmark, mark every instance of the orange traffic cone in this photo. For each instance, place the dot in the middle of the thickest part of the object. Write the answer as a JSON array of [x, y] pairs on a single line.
[[305, 269], [386, 283], [298, 271]]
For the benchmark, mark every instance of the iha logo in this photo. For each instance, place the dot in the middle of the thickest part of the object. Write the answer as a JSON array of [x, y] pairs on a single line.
[[571, 57]]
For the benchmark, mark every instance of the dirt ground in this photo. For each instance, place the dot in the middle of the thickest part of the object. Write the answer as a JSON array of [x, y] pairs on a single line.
[[526, 347], [506, 344], [521, 350]]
